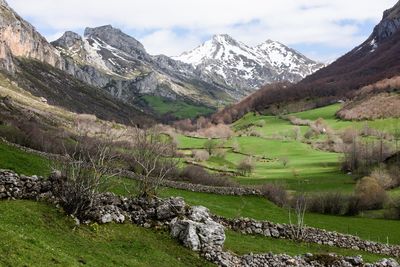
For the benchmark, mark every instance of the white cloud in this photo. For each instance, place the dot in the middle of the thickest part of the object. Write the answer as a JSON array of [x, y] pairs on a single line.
[[251, 21], [169, 43]]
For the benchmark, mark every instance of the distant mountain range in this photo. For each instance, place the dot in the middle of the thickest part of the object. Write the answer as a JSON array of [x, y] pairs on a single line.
[[244, 69], [220, 71], [375, 59]]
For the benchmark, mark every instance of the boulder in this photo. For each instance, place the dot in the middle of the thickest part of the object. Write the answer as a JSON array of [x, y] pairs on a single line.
[[198, 230]]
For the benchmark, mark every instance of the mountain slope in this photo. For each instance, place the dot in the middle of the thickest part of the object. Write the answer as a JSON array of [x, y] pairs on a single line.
[[374, 60], [20, 39], [244, 69]]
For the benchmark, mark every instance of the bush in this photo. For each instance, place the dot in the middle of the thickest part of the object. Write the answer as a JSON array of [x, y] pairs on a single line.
[[198, 175], [246, 166], [220, 153], [201, 155], [349, 135], [81, 177], [393, 212], [260, 123], [330, 203], [275, 193], [309, 134], [370, 193], [210, 146], [383, 177], [254, 133]]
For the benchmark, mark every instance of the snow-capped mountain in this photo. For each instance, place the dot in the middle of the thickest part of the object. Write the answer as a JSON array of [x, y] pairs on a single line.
[[244, 69], [117, 62]]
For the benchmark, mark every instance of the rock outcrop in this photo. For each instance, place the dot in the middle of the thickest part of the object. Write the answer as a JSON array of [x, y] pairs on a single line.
[[20, 39], [198, 231]]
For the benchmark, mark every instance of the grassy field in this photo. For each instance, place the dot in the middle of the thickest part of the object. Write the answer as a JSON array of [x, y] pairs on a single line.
[[291, 162], [179, 109], [328, 114], [35, 234], [21, 162]]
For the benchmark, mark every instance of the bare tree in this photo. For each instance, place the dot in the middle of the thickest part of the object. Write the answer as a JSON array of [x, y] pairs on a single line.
[[246, 166], [153, 160], [298, 228], [82, 173]]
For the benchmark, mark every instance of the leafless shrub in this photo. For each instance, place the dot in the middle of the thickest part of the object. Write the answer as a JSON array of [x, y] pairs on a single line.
[[328, 203], [393, 211], [383, 177], [370, 193], [82, 175], [201, 155], [299, 122], [259, 123], [254, 133], [220, 153], [309, 134], [216, 131], [198, 175], [152, 160], [296, 133], [394, 172], [246, 166], [353, 206], [362, 155], [235, 146], [349, 135], [276, 193], [298, 228], [284, 161], [210, 146]]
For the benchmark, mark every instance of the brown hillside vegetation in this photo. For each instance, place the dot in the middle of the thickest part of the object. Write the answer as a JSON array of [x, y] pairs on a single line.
[[376, 59], [375, 101]]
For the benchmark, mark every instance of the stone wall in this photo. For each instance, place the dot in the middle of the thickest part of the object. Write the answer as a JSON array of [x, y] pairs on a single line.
[[310, 235], [233, 191]]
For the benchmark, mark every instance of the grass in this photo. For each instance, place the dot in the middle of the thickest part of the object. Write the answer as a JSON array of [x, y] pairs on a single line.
[[243, 244], [35, 234], [22, 162], [328, 114], [187, 142], [178, 108]]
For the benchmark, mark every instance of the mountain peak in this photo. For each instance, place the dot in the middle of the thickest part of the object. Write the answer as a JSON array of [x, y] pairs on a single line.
[[3, 3], [99, 30], [116, 38], [393, 12], [68, 39], [389, 25], [220, 38]]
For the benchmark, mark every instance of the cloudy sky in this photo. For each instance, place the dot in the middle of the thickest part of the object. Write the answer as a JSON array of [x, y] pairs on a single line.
[[321, 29]]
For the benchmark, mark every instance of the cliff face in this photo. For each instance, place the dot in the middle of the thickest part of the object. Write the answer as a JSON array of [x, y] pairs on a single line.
[[20, 39]]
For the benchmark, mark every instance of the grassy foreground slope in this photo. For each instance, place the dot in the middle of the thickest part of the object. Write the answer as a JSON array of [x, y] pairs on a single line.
[[35, 234]]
